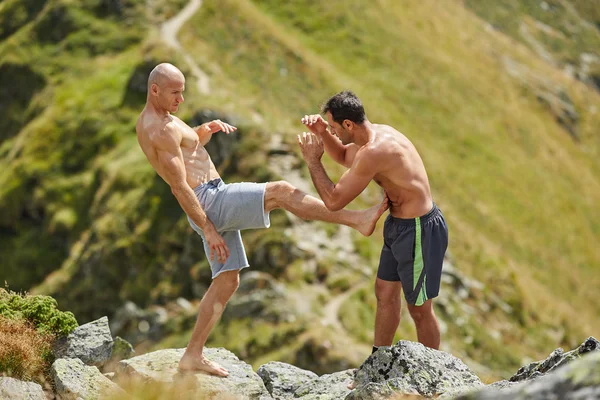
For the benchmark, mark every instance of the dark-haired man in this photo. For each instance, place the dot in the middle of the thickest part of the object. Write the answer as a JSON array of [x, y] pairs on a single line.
[[415, 233]]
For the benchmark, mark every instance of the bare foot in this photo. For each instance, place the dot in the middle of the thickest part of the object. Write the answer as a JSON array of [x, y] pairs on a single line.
[[369, 217], [193, 363]]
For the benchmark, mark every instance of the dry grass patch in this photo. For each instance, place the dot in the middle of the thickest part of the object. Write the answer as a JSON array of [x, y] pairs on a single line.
[[25, 353]]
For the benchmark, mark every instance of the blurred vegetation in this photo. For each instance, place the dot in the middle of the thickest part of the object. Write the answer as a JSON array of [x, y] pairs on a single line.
[[84, 217]]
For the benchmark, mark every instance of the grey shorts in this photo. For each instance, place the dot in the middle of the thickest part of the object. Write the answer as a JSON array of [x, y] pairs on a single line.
[[231, 208], [413, 253]]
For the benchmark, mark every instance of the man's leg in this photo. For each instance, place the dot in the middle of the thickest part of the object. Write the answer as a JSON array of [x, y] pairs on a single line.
[[387, 317], [211, 307], [282, 194], [428, 328]]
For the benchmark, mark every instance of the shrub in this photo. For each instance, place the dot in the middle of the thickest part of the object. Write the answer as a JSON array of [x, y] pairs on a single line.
[[25, 352], [39, 311]]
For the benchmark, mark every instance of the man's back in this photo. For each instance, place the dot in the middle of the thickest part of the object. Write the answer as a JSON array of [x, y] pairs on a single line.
[[401, 172]]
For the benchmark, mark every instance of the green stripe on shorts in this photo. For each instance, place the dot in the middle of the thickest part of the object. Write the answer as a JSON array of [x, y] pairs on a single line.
[[418, 264]]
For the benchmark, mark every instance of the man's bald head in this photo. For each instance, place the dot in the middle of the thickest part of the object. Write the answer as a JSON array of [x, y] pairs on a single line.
[[164, 73], [166, 84]]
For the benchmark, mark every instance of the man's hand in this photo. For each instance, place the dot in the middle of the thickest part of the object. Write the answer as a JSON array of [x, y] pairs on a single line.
[[315, 124], [215, 126], [311, 146], [216, 243]]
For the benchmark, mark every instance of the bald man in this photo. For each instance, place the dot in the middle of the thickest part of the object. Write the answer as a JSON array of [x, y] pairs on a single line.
[[215, 210]]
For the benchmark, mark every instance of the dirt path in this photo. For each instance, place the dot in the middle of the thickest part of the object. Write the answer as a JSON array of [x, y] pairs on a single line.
[[168, 33], [331, 311]]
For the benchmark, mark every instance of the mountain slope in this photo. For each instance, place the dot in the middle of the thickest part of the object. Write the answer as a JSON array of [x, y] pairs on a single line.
[[509, 139]]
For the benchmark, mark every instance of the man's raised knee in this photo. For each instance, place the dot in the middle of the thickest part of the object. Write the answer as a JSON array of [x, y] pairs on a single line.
[[276, 194]]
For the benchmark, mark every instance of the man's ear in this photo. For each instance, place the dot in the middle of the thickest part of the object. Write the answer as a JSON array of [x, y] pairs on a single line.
[[154, 89], [348, 124]]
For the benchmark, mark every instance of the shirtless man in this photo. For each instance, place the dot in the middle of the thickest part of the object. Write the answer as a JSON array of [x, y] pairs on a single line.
[[215, 210], [415, 233]]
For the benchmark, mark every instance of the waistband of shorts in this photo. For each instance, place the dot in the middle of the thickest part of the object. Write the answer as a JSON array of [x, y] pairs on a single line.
[[212, 183], [434, 212]]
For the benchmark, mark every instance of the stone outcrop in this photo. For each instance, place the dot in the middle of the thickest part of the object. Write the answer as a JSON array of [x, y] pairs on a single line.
[[580, 380], [161, 366], [282, 380], [14, 389], [411, 368], [92, 343], [75, 380], [556, 359]]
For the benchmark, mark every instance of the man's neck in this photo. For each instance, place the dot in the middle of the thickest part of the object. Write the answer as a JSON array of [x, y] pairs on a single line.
[[160, 112], [364, 133]]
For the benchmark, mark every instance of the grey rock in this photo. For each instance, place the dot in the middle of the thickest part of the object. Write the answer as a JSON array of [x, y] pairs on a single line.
[[121, 350], [14, 389], [281, 379], [411, 368], [579, 380], [161, 366], [556, 359], [326, 387], [73, 380], [92, 343]]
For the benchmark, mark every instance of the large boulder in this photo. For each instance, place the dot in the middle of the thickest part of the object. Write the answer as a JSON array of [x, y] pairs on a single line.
[[92, 343], [75, 380], [326, 387], [14, 389], [556, 359], [411, 368], [281, 379], [580, 380], [161, 366]]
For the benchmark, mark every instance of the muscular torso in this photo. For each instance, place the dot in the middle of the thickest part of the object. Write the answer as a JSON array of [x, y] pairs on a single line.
[[199, 168], [401, 173]]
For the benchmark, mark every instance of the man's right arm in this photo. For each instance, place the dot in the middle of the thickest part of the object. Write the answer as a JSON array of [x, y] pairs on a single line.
[[171, 163]]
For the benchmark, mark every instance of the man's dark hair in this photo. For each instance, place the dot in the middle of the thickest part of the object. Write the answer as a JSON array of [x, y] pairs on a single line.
[[345, 105]]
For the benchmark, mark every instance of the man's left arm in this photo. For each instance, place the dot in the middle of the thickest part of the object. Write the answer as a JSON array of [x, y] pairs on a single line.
[[351, 184], [206, 130]]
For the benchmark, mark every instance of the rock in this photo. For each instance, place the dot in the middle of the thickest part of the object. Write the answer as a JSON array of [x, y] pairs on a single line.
[[161, 366], [74, 380], [281, 379], [326, 387], [579, 380], [557, 358], [14, 389], [92, 343], [121, 350], [411, 368]]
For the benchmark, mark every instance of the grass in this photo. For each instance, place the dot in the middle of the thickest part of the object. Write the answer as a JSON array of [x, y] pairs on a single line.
[[25, 353]]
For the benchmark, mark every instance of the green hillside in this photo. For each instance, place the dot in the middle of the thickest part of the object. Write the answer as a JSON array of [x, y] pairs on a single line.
[[509, 138]]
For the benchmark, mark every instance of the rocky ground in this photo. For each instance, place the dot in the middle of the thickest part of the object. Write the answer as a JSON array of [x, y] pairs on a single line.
[[90, 364]]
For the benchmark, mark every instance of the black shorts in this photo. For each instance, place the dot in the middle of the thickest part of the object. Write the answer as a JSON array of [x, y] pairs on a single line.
[[413, 253]]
